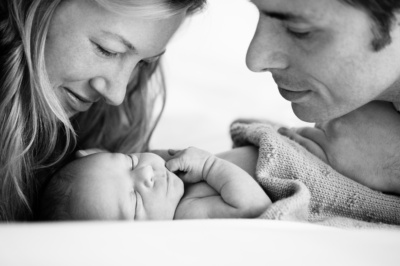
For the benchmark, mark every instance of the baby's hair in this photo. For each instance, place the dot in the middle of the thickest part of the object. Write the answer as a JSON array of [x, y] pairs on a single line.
[[55, 200]]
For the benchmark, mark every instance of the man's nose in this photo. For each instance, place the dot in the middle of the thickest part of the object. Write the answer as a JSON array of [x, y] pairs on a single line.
[[267, 49], [112, 88], [145, 176]]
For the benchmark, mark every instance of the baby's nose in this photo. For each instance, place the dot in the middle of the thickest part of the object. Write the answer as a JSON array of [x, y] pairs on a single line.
[[145, 176]]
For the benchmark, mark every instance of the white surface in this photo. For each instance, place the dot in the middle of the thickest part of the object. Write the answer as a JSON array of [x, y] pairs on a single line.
[[209, 84], [201, 242]]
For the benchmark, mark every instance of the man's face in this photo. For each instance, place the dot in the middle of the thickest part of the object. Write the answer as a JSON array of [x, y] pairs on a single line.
[[320, 55]]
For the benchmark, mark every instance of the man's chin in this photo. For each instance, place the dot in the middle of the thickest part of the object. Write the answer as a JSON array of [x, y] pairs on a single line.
[[309, 114]]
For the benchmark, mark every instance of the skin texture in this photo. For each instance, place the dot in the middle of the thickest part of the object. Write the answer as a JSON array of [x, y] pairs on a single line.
[[322, 62], [371, 160], [109, 189], [85, 60]]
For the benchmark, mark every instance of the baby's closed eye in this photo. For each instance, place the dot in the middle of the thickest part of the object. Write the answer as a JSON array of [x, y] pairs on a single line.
[[134, 197]]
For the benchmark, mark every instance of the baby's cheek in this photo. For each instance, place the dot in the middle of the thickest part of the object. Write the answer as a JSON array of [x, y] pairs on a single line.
[[181, 189]]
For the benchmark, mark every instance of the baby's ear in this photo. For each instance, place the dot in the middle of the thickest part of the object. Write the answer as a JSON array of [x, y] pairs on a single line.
[[83, 153]]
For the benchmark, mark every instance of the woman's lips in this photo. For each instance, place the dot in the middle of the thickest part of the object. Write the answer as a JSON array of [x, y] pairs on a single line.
[[77, 103], [293, 96]]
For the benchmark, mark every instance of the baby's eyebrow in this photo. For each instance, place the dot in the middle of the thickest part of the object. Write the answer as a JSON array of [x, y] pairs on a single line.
[[134, 160]]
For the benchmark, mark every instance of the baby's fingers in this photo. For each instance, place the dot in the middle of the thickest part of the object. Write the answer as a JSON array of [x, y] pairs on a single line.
[[176, 164]]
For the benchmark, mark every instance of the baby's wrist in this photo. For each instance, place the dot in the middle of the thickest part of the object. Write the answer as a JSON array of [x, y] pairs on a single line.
[[209, 163]]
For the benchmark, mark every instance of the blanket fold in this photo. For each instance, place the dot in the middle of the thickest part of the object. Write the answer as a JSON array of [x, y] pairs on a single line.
[[303, 188]]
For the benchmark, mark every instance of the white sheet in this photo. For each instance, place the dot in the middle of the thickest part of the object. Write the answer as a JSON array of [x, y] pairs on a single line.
[[198, 242]]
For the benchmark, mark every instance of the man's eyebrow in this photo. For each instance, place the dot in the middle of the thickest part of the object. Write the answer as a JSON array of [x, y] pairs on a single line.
[[284, 16], [121, 39]]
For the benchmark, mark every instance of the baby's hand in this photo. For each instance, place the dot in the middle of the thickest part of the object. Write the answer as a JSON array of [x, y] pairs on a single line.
[[191, 164]]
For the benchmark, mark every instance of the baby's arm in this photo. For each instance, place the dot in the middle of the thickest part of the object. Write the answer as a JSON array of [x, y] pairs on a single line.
[[363, 145], [229, 193]]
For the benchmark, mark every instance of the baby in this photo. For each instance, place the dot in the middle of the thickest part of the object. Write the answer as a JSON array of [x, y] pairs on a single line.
[[142, 186]]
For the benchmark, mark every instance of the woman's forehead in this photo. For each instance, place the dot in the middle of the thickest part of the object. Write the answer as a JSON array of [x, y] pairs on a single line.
[[146, 9]]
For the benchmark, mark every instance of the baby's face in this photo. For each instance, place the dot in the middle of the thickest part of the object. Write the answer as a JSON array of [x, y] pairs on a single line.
[[116, 186]]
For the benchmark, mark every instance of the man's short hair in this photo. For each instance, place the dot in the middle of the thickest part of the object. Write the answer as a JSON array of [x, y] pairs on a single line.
[[382, 13]]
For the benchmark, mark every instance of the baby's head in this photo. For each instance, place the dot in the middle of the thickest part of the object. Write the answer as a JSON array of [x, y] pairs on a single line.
[[112, 186]]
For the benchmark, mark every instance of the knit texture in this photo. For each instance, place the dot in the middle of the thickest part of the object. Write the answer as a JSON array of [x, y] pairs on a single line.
[[304, 188]]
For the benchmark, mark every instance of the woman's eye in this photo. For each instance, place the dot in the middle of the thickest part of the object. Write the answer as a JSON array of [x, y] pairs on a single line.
[[105, 52]]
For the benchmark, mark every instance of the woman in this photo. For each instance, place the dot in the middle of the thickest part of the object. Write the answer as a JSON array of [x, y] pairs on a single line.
[[75, 72]]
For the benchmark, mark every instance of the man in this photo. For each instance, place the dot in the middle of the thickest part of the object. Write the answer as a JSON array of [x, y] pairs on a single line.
[[331, 59]]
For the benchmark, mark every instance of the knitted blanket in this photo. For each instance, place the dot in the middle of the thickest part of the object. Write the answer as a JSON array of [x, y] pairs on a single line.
[[303, 188]]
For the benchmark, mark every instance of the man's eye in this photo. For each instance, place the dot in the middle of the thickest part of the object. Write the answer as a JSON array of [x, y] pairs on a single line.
[[299, 34]]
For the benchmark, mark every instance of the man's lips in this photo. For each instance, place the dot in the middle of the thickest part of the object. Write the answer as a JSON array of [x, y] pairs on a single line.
[[293, 96]]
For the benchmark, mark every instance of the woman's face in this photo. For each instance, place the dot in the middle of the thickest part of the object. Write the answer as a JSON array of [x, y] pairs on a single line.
[[91, 53]]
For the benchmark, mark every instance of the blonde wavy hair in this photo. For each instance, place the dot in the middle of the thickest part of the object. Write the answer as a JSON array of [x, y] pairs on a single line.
[[36, 133]]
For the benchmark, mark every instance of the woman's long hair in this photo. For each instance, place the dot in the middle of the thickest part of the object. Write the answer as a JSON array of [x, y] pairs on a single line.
[[31, 116], [35, 131]]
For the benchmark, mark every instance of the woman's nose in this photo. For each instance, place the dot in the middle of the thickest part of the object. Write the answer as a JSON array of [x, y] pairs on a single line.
[[267, 49], [112, 87], [145, 176]]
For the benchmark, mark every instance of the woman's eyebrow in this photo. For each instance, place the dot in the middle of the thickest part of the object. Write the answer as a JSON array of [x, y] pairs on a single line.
[[126, 43], [120, 39]]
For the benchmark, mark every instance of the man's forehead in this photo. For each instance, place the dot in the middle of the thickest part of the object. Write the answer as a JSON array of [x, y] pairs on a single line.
[[298, 10]]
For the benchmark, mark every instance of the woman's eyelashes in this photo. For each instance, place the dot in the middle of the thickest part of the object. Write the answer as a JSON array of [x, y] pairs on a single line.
[[104, 52]]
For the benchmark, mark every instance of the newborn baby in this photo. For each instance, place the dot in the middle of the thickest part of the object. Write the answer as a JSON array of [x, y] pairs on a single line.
[[142, 186]]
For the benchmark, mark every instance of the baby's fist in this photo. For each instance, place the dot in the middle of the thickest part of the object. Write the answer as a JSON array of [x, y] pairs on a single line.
[[190, 164]]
